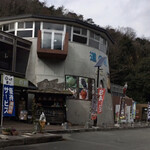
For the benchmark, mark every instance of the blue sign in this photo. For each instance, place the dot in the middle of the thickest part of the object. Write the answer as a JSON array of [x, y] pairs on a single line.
[[8, 96], [93, 56]]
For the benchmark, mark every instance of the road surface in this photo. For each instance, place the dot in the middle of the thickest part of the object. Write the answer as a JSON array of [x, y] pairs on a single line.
[[136, 139]]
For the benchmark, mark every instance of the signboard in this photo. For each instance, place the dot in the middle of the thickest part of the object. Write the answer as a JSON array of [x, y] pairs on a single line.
[[128, 114], [83, 88], [71, 85], [117, 112], [18, 82], [101, 94], [8, 96], [133, 110], [148, 111]]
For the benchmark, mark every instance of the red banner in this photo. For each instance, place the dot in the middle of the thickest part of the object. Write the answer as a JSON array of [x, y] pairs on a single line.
[[93, 116], [101, 94]]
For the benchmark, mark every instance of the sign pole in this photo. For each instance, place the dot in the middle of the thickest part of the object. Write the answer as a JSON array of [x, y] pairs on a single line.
[[2, 103]]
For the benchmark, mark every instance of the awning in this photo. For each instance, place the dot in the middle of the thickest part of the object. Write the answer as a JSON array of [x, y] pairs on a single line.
[[100, 62], [50, 91]]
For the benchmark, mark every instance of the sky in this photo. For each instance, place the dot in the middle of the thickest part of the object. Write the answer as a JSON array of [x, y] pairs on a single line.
[[115, 13]]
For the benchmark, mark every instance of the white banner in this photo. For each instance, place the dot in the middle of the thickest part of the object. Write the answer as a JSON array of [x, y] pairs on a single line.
[[148, 111]]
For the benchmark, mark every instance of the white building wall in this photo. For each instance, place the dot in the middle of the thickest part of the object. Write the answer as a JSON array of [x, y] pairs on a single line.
[[77, 63], [32, 62]]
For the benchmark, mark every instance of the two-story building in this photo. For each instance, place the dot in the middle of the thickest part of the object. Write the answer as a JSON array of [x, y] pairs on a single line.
[[63, 54]]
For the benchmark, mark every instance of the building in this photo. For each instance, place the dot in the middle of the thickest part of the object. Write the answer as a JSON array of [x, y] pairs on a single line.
[[141, 112], [124, 107], [14, 54], [63, 55]]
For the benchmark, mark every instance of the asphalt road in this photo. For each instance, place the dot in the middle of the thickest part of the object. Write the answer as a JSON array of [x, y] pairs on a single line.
[[137, 139]]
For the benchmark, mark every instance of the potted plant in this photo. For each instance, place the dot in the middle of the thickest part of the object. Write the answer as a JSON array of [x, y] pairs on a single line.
[[14, 132], [6, 131], [9, 131]]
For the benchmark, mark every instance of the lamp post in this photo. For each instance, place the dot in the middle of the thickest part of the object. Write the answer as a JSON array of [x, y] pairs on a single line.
[[98, 65]]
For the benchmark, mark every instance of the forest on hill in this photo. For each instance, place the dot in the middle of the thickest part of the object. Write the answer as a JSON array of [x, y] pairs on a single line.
[[129, 60], [129, 57]]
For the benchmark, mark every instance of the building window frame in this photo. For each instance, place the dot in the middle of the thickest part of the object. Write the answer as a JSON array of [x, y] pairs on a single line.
[[79, 34], [53, 32]]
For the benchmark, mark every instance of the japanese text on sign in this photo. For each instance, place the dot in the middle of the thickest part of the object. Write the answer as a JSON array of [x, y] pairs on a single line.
[[101, 94], [8, 96]]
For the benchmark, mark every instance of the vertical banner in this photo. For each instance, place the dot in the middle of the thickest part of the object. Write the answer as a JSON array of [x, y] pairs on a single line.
[[122, 109], [83, 88], [8, 96], [71, 85], [148, 112], [133, 110], [128, 114], [101, 94], [117, 112]]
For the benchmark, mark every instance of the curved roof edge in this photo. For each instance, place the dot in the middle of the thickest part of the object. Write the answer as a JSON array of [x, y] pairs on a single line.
[[96, 27]]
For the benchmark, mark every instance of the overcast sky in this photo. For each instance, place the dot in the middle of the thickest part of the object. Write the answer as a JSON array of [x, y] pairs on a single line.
[[115, 13]]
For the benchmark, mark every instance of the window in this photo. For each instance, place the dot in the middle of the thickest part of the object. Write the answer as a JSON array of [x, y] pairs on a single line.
[[22, 25], [76, 30], [46, 42], [37, 28], [80, 31], [68, 30], [25, 33], [79, 39], [94, 43], [52, 40], [94, 40], [11, 26], [58, 41], [6, 27], [21, 60], [80, 35], [6, 53], [28, 24], [25, 29], [53, 26]]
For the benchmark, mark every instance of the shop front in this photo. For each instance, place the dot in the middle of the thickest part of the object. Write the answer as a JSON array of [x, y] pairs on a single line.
[[52, 102], [20, 98]]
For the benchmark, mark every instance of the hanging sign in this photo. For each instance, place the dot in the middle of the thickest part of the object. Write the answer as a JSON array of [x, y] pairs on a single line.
[[101, 94], [8, 96]]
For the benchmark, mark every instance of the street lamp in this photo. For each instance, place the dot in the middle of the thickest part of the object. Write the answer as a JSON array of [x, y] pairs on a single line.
[[99, 67]]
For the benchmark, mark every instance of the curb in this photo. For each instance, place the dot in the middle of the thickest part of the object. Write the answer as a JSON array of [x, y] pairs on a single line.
[[31, 140], [52, 138], [94, 129]]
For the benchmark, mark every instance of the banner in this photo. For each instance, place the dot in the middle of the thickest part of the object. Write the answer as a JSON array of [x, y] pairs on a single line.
[[148, 111], [8, 96], [101, 94], [133, 110], [117, 112], [83, 88]]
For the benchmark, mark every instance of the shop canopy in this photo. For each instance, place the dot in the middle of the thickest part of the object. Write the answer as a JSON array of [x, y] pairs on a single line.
[[51, 91]]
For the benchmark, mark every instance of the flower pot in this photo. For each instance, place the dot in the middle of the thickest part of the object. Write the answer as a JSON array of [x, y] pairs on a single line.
[[5, 132]]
